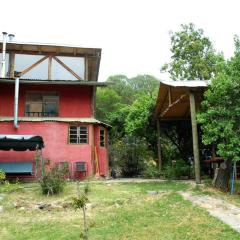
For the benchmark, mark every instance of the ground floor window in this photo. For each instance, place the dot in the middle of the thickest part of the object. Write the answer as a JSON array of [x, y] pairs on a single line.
[[78, 134], [102, 137]]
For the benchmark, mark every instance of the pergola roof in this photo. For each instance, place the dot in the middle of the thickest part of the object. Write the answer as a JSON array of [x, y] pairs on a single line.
[[173, 98]]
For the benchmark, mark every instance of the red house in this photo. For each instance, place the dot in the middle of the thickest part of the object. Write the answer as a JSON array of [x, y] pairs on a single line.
[[55, 99]]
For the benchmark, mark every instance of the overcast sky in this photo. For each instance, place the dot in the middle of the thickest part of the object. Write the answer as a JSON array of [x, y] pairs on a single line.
[[133, 34]]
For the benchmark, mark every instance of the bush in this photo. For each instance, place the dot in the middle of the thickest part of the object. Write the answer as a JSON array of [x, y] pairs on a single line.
[[150, 170], [176, 170], [53, 182], [2, 176]]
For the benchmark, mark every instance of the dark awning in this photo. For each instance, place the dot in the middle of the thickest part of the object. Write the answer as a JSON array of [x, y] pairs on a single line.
[[21, 142]]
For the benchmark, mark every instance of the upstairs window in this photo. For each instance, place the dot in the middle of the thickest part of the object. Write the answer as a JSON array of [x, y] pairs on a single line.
[[102, 137], [78, 134], [42, 104]]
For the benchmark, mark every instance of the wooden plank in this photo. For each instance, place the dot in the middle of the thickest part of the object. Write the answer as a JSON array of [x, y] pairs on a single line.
[[33, 66], [86, 69], [67, 68], [159, 146], [50, 68], [195, 138], [11, 64]]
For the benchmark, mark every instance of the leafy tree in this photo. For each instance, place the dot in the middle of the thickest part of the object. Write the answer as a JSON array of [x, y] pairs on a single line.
[[193, 56], [120, 84], [220, 115], [144, 84], [108, 102], [127, 105], [139, 114]]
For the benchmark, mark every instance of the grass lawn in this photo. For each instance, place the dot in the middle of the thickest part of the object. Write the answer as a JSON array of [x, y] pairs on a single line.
[[116, 211]]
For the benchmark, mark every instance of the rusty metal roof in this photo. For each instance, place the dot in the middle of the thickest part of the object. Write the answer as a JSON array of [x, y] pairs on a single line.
[[51, 48], [55, 119], [54, 82], [173, 98]]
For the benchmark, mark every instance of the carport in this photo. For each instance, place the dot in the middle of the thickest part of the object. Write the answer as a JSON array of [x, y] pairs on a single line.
[[21, 143]]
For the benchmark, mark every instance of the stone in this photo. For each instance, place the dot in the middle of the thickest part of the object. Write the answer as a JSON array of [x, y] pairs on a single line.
[[152, 193], [44, 206]]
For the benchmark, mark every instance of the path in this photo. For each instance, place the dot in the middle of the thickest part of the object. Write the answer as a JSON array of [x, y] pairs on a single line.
[[226, 212]]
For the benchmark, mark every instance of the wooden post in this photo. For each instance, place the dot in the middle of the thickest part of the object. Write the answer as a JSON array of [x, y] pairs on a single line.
[[50, 68], [86, 69], [195, 138], [11, 64], [159, 146]]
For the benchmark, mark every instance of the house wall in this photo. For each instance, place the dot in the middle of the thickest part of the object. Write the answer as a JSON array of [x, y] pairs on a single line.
[[57, 148], [75, 101]]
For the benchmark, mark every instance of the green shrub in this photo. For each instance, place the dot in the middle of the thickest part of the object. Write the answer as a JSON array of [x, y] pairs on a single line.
[[53, 182], [2, 176], [176, 170], [150, 170]]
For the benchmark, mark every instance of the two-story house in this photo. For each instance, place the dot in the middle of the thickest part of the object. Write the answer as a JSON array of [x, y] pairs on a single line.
[[55, 99]]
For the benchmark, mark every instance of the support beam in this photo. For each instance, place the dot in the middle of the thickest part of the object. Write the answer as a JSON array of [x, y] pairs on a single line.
[[86, 69], [169, 96], [173, 104], [33, 66], [195, 137], [50, 68], [11, 64], [67, 68], [159, 146]]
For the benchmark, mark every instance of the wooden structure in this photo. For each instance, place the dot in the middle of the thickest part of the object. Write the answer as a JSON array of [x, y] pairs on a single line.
[[180, 100]]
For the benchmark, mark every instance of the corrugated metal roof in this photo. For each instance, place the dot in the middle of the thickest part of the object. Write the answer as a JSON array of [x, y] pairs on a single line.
[[55, 119], [187, 83], [51, 47], [54, 82]]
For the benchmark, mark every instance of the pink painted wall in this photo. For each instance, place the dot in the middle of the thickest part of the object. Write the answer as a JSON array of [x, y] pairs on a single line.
[[57, 148], [75, 101]]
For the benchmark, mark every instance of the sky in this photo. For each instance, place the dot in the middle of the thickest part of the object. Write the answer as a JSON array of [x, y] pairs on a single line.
[[133, 34]]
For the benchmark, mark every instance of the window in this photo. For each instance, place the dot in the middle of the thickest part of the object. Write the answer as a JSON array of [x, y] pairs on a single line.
[[102, 137], [78, 134], [42, 104]]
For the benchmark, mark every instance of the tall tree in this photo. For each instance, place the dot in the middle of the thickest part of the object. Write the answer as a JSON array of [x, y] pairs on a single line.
[[193, 56], [220, 115]]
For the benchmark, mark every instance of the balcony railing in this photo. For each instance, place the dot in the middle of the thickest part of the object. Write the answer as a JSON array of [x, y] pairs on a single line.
[[41, 114]]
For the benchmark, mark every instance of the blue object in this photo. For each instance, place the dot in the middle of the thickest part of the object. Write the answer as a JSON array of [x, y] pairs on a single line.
[[233, 177], [16, 167]]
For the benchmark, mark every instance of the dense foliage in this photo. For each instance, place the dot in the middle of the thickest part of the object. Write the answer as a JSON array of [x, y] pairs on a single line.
[[193, 56], [220, 116], [127, 104]]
